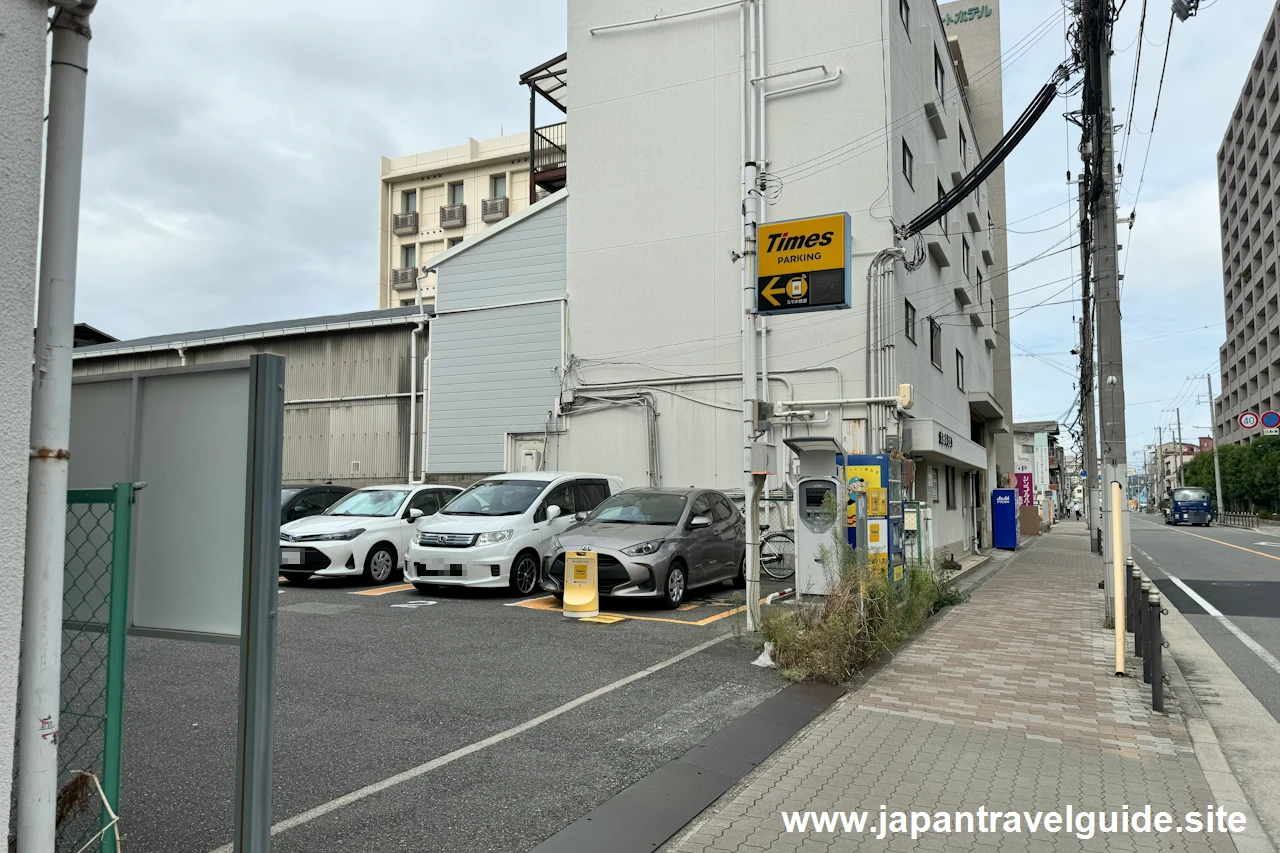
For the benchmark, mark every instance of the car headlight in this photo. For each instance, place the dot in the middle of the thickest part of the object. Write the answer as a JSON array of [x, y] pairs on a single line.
[[495, 537], [644, 548], [344, 536]]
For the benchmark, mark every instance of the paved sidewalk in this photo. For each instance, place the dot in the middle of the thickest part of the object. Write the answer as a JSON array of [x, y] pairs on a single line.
[[1009, 702]]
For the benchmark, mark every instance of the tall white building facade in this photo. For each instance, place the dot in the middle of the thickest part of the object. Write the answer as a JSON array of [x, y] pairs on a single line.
[[651, 379]]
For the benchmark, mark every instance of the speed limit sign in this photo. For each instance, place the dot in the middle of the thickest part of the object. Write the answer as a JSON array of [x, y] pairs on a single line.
[[1248, 420]]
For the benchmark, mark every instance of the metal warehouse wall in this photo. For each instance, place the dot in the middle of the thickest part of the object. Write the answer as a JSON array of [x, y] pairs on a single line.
[[325, 437]]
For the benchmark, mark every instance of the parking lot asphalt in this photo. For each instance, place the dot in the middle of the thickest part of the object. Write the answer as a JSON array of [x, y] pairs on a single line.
[[375, 682]]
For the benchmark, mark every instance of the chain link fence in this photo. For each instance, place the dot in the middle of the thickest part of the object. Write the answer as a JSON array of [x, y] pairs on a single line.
[[94, 610]]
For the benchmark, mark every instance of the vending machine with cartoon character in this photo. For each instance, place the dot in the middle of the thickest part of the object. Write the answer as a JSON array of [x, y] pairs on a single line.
[[880, 477]]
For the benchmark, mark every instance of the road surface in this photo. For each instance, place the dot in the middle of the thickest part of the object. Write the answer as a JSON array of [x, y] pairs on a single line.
[[1226, 582]]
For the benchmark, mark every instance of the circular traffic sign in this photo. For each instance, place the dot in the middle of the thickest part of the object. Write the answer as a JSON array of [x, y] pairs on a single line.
[[1248, 420], [1271, 420]]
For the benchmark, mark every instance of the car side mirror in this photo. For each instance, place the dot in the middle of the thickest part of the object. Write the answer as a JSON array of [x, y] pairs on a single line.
[[699, 521], [579, 516], [553, 512], [415, 514]]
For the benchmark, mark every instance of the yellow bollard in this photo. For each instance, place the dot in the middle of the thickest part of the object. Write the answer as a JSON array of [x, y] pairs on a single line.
[[581, 585], [1117, 571]]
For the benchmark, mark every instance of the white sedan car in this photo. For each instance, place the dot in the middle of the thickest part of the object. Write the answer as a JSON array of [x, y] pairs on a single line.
[[365, 533]]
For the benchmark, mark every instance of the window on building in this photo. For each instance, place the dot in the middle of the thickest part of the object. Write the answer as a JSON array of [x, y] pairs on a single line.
[[960, 370], [498, 186], [405, 303], [935, 343], [964, 149], [453, 241], [1029, 449], [409, 201], [951, 487], [408, 256], [908, 165], [910, 320], [455, 193], [904, 12], [933, 484], [964, 256], [939, 72], [942, 220], [978, 272]]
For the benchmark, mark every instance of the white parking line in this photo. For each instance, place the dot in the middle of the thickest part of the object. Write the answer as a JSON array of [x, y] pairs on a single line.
[[435, 763], [1250, 643]]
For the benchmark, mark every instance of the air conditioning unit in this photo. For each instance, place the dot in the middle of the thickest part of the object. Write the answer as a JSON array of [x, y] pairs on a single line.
[[494, 209], [531, 460]]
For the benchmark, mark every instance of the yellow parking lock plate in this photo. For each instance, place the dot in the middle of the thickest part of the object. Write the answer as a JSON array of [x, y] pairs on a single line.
[[603, 619], [581, 585]]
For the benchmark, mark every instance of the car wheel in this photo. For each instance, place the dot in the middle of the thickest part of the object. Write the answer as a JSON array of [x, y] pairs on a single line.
[[299, 578], [674, 588], [739, 580], [524, 573], [380, 564]]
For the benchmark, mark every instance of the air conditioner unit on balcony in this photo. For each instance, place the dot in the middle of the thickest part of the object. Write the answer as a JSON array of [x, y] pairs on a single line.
[[404, 279], [453, 215], [404, 223], [494, 209]]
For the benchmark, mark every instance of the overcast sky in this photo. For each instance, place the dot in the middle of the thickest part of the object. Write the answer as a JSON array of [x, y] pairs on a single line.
[[231, 167]]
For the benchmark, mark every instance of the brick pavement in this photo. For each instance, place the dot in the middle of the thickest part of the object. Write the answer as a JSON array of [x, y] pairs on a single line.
[[1007, 701]]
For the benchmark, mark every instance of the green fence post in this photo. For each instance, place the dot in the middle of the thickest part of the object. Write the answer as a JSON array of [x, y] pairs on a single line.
[[116, 635]]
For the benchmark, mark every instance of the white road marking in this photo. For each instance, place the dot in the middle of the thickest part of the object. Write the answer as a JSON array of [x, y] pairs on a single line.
[[412, 604], [1268, 544], [435, 763], [1250, 643]]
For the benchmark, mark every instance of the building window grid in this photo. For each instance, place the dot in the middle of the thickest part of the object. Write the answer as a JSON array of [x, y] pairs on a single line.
[[939, 73], [964, 148], [951, 486], [908, 164], [942, 220], [408, 256], [960, 370], [409, 201], [964, 256], [909, 318], [935, 343]]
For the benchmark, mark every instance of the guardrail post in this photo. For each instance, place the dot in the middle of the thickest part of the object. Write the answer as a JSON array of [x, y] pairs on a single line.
[[1157, 646], [1140, 635]]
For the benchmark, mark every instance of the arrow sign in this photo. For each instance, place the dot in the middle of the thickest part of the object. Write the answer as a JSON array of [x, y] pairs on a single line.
[[773, 290]]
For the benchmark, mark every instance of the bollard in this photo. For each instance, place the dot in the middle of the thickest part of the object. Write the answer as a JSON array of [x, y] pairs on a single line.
[[1135, 578], [1157, 647], [1147, 634], [1140, 635]]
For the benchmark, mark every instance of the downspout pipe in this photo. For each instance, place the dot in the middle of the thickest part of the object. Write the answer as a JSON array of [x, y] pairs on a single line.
[[41, 663]]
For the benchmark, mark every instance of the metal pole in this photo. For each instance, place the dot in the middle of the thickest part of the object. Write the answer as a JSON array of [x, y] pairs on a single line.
[[1182, 448], [1213, 433], [1157, 648], [41, 664], [750, 178], [117, 625], [533, 128], [1160, 464], [1088, 407], [1117, 574], [261, 597]]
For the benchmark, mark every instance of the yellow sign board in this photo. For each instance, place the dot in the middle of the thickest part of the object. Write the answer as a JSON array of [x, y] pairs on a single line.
[[581, 584], [803, 265]]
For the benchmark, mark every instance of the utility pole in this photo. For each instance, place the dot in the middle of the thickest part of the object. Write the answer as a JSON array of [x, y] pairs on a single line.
[[1098, 150], [40, 667], [1092, 497], [1213, 433], [1160, 463], [1182, 448]]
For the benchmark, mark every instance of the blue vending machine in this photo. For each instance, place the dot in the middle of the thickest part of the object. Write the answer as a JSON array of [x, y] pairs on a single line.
[[1004, 518], [880, 476]]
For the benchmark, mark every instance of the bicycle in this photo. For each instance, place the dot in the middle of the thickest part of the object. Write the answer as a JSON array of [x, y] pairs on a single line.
[[778, 554]]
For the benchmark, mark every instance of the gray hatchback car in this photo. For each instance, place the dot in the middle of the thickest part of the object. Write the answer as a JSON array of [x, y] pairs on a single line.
[[655, 543]]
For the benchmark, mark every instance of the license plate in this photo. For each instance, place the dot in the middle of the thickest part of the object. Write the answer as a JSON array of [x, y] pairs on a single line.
[[290, 556]]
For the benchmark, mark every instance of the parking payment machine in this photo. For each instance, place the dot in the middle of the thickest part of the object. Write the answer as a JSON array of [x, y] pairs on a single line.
[[818, 475]]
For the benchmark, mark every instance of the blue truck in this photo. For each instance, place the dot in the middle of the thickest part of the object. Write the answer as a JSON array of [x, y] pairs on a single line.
[[1189, 505]]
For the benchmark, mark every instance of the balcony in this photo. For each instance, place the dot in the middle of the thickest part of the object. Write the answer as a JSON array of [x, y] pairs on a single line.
[[404, 279], [494, 209], [404, 223], [453, 215], [551, 157]]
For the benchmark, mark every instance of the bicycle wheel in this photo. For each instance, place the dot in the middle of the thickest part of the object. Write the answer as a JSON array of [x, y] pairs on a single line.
[[778, 555]]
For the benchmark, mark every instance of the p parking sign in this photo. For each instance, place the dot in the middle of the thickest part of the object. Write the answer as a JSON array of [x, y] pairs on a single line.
[[803, 265]]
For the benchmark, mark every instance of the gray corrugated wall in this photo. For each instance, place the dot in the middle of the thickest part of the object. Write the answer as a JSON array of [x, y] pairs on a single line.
[[492, 372], [525, 262]]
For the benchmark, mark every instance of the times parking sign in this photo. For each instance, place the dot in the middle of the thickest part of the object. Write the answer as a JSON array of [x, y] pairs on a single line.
[[803, 265]]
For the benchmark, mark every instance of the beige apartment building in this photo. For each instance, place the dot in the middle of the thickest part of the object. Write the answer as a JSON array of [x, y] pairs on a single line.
[[433, 201]]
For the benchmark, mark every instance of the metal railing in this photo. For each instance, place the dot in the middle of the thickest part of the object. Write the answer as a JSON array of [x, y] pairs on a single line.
[[550, 147], [1247, 520], [404, 223], [453, 215]]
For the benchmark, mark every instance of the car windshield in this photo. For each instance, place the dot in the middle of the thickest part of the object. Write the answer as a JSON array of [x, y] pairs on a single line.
[[285, 494], [1191, 494], [496, 497], [377, 503], [640, 508]]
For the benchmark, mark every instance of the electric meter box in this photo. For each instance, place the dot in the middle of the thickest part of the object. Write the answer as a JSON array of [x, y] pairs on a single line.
[[818, 477], [879, 476]]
